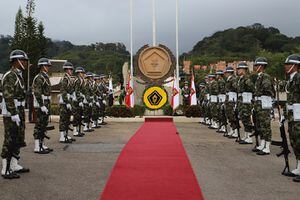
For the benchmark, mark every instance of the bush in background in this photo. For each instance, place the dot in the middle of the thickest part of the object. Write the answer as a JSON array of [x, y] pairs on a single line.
[[138, 110], [119, 111], [192, 111]]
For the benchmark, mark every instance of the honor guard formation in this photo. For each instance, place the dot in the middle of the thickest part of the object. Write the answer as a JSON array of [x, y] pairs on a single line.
[[82, 95], [229, 99]]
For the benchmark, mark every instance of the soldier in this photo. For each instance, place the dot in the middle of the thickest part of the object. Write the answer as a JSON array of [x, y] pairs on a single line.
[[186, 94], [65, 101], [292, 66], [222, 119], [207, 112], [88, 103], [78, 102], [264, 92], [213, 91], [201, 99], [103, 91], [245, 96], [96, 103], [231, 99], [42, 95], [13, 105]]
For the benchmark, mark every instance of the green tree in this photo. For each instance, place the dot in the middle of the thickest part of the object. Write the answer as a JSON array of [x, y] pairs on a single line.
[[19, 35]]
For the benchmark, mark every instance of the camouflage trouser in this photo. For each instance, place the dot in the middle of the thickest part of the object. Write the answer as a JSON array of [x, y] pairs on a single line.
[[77, 114], [222, 116], [245, 115], [230, 114], [102, 110], [214, 111], [294, 133], [207, 111], [65, 118], [263, 122], [41, 124], [12, 137], [96, 112], [87, 113]]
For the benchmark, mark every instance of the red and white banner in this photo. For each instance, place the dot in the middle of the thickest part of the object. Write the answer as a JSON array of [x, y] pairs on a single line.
[[129, 98], [193, 96], [175, 94]]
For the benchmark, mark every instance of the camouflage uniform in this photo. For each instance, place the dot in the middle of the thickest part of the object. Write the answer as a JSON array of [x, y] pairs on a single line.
[[66, 91], [222, 92], [14, 100], [87, 111], [78, 104], [103, 91], [96, 104], [201, 99], [41, 90], [231, 86], [214, 91], [186, 96]]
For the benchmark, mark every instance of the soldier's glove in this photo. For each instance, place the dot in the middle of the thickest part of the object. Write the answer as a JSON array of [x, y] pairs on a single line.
[[98, 104], [85, 101], [90, 104], [44, 109], [69, 107], [104, 102], [282, 119], [81, 104], [16, 119]]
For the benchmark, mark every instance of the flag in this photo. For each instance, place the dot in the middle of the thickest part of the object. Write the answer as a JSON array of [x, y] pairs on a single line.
[[129, 99], [111, 92], [110, 85], [193, 96], [175, 94]]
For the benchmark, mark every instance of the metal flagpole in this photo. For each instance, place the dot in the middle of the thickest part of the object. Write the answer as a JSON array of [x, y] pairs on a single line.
[[177, 42], [154, 22], [131, 38]]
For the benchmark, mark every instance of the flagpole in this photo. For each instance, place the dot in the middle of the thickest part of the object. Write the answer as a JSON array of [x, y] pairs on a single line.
[[177, 42], [131, 38], [154, 22]]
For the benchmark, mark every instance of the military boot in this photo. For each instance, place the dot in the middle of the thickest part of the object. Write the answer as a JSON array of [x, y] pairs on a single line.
[[265, 150], [260, 147], [15, 167], [6, 171], [76, 132], [64, 138], [296, 171], [39, 149]]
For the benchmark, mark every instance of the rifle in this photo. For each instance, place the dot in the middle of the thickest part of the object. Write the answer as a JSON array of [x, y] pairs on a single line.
[[236, 114]]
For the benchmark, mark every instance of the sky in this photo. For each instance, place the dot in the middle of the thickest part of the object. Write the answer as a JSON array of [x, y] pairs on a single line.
[[90, 21]]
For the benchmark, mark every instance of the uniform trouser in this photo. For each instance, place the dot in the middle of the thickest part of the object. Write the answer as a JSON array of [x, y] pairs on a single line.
[[77, 114], [214, 111], [13, 138], [222, 116], [294, 134], [65, 118], [231, 115], [40, 124], [263, 122], [96, 112], [87, 113], [245, 115], [102, 110], [207, 111]]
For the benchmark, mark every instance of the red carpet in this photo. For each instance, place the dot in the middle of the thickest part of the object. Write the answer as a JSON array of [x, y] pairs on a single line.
[[153, 166]]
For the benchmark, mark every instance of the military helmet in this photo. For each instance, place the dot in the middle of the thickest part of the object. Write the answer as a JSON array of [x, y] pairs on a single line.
[[96, 77], [229, 69], [242, 65], [88, 74], [261, 61], [79, 70], [293, 60], [18, 55], [102, 75], [211, 75], [44, 62], [202, 84], [68, 65], [186, 82], [220, 72]]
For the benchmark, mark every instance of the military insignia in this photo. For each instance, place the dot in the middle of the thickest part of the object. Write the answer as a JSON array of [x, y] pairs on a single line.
[[155, 98]]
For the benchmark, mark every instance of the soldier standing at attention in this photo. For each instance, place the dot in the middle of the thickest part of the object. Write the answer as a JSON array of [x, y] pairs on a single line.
[[231, 99], [201, 99], [292, 66], [103, 91], [264, 92], [65, 101], [214, 91], [88, 103], [96, 103], [245, 96], [186, 94], [78, 101], [221, 99], [13, 104], [42, 95]]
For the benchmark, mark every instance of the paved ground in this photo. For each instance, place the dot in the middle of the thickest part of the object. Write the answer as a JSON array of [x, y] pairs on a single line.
[[225, 170]]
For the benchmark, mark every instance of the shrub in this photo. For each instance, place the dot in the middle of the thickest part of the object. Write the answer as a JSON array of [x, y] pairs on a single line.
[[119, 111], [139, 110], [168, 110], [54, 109], [192, 111]]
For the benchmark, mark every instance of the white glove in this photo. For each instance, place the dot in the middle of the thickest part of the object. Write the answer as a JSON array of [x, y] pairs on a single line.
[[282, 118], [44, 109], [81, 104], [69, 107], [85, 101], [98, 104], [90, 104], [16, 118], [104, 102]]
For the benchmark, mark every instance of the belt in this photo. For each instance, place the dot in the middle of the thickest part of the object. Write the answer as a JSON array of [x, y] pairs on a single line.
[[19, 103], [257, 98], [46, 97], [289, 107]]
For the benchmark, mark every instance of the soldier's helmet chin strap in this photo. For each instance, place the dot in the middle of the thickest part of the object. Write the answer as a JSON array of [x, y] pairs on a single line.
[[288, 72], [21, 65], [258, 68]]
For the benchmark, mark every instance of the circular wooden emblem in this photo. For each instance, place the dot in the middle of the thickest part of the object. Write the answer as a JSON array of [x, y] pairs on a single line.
[[155, 64]]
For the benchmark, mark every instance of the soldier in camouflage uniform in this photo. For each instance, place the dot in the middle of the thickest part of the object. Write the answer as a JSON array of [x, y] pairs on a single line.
[[222, 119], [13, 105], [65, 101], [103, 92], [264, 92], [42, 95], [213, 91], [292, 66], [245, 96], [88, 103], [96, 103], [78, 102], [231, 99], [206, 106], [185, 92], [201, 99]]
